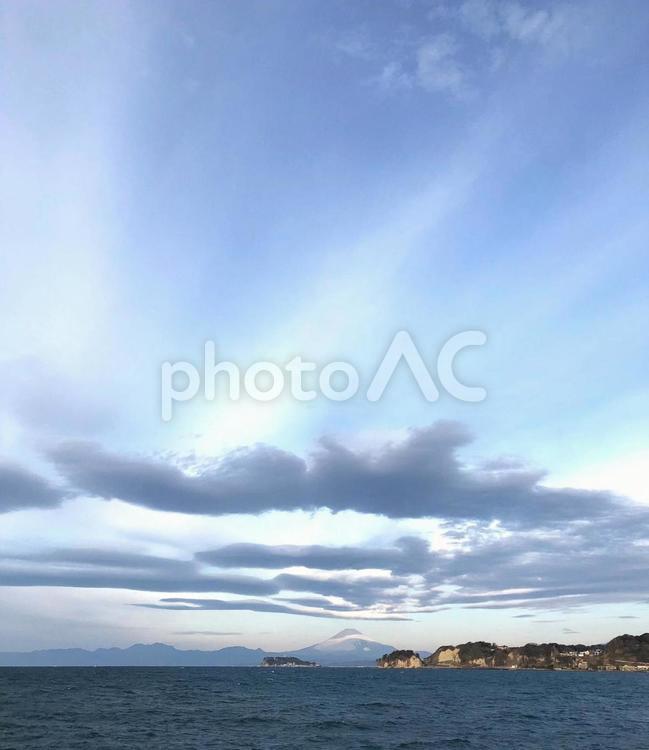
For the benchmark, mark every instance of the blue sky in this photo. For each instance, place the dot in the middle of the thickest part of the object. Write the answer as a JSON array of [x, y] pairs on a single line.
[[308, 178]]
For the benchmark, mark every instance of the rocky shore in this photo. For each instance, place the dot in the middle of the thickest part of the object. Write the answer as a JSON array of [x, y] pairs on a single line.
[[626, 653], [400, 660]]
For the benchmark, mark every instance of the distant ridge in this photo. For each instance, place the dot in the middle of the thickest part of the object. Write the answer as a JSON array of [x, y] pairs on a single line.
[[347, 648], [138, 655]]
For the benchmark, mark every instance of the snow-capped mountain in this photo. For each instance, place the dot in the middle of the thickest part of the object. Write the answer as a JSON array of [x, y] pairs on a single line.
[[349, 647]]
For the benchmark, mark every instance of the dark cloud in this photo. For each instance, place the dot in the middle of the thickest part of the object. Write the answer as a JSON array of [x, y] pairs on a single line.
[[20, 488], [552, 548], [420, 476], [243, 481], [106, 559], [566, 566], [84, 568], [88, 568], [365, 591], [570, 565], [408, 555], [318, 601], [253, 605]]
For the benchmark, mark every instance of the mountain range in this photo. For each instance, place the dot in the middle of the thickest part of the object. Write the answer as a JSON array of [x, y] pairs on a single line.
[[348, 648]]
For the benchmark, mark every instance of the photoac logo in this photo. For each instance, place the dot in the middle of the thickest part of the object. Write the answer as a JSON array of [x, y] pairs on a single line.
[[336, 381]]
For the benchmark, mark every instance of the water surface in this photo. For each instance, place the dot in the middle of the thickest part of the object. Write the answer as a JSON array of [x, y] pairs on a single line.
[[173, 708]]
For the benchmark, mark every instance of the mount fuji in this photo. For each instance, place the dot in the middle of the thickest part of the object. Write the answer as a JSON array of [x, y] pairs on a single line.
[[347, 648]]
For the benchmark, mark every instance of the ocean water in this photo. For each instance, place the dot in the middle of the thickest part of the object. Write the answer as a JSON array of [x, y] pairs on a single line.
[[160, 708]]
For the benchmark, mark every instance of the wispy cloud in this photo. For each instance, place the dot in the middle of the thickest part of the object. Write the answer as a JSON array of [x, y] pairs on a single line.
[[513, 20], [455, 45], [208, 632], [438, 66], [253, 605]]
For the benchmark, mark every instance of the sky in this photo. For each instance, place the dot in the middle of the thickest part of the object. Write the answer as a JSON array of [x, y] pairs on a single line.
[[308, 179]]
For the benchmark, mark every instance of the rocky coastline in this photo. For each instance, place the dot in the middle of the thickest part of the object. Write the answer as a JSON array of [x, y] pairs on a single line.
[[625, 653]]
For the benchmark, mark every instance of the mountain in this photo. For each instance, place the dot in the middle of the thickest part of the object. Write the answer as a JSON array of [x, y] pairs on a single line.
[[347, 648], [138, 655]]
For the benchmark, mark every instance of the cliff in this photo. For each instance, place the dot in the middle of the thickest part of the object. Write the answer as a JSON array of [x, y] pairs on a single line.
[[627, 650], [400, 660], [626, 653], [478, 654], [482, 655]]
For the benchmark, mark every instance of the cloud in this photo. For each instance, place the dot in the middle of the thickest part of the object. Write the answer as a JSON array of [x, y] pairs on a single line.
[[242, 481], [573, 565], [438, 68], [253, 605], [207, 632], [408, 555], [480, 17], [393, 77], [355, 43], [20, 488], [525, 25], [510, 541], [318, 601], [419, 476], [367, 591], [101, 569], [490, 19], [562, 566], [98, 569], [455, 46]]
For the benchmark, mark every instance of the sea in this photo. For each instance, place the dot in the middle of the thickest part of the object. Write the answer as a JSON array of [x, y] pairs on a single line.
[[68, 708]]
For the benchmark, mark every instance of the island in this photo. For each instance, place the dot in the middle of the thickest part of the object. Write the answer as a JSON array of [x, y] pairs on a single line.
[[286, 661], [400, 660], [625, 653]]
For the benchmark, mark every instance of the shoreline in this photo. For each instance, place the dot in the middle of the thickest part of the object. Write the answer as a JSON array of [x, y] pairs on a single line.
[[327, 666]]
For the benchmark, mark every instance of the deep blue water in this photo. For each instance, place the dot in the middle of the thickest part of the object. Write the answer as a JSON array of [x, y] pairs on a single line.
[[67, 708]]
